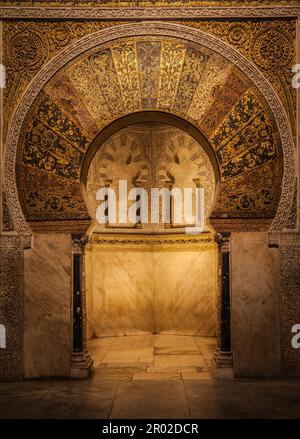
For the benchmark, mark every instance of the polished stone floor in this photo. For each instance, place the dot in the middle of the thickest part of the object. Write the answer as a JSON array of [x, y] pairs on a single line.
[[152, 377], [153, 357]]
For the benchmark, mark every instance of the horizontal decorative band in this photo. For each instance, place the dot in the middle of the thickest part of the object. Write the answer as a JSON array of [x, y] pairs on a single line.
[[133, 13]]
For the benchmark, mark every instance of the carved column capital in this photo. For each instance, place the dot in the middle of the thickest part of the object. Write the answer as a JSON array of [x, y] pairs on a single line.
[[78, 243], [223, 241]]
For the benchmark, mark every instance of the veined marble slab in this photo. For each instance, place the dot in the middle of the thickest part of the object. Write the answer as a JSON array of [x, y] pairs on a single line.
[[134, 289], [47, 306]]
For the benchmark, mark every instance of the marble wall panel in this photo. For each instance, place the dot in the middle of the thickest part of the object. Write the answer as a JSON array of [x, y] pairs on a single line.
[[255, 306], [185, 291], [120, 299], [47, 306], [134, 290]]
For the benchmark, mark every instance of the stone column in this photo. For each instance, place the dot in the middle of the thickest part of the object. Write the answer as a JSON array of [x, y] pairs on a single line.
[[81, 364], [223, 357]]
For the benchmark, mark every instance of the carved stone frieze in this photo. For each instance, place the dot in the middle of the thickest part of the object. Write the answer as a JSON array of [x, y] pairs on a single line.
[[270, 45], [155, 13], [29, 45], [7, 224], [289, 304], [159, 242], [11, 306]]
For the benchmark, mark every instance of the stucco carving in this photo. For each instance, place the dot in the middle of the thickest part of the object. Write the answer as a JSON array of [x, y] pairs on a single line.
[[289, 298], [223, 241], [269, 44], [11, 306], [161, 242], [242, 34], [151, 29], [78, 243], [28, 45], [119, 159], [156, 13], [7, 224]]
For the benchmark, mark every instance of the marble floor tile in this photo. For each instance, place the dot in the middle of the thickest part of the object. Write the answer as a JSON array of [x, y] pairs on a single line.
[[139, 383], [133, 342], [206, 345], [196, 375], [150, 399], [175, 345], [172, 369], [127, 355], [157, 352], [124, 397], [159, 376], [116, 368], [239, 399], [108, 374], [63, 399], [178, 360]]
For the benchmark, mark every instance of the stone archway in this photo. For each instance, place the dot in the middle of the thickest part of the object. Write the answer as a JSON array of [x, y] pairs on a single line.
[[169, 30], [159, 30], [141, 117]]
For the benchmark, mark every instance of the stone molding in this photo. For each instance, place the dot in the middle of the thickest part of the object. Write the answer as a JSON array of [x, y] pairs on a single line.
[[160, 242], [289, 238], [153, 13], [223, 360]]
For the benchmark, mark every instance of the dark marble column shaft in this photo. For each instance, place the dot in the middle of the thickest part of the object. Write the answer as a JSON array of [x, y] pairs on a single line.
[[224, 354], [81, 365]]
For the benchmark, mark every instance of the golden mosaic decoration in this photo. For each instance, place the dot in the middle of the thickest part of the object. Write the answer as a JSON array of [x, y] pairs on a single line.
[[65, 118], [47, 38]]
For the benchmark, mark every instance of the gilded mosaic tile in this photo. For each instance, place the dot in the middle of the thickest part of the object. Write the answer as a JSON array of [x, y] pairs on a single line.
[[171, 63], [193, 66], [83, 78], [148, 73], [103, 66], [214, 76], [148, 58], [126, 64], [224, 99]]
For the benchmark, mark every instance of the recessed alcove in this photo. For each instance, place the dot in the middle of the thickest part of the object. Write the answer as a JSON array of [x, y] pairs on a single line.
[[144, 278]]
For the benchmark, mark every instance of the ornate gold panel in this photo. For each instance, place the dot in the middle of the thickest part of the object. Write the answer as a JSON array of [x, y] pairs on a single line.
[[269, 44], [146, 73], [148, 58]]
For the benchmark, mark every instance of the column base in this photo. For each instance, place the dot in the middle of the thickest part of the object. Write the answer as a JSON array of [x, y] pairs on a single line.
[[223, 359], [81, 365]]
